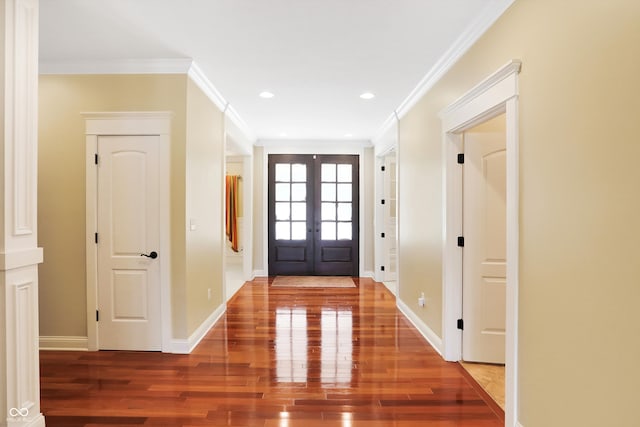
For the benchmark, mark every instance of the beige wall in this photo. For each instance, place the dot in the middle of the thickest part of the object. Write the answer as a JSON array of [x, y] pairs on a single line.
[[196, 192], [205, 206], [579, 203], [61, 181]]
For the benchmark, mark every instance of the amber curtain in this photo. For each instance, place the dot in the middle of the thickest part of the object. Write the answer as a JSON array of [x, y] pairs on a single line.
[[231, 220]]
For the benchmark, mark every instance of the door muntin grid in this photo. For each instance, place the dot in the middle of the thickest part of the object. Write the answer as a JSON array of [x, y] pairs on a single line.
[[291, 201], [336, 198]]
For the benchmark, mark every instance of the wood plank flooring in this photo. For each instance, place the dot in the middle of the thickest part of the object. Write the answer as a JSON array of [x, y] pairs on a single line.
[[279, 357]]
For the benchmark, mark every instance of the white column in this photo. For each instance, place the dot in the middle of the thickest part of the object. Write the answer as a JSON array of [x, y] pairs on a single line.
[[19, 252]]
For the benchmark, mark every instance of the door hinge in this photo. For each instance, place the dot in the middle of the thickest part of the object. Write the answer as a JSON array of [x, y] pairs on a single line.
[[382, 168], [382, 235], [461, 158], [97, 315], [461, 241], [382, 202], [95, 159], [382, 268], [96, 237], [460, 324]]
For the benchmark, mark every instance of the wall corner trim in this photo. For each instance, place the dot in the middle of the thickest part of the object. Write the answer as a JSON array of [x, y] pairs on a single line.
[[182, 346], [423, 328]]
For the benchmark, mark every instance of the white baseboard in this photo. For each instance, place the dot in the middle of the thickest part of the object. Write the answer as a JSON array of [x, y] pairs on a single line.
[[392, 287], [427, 333], [37, 421], [259, 273], [370, 274], [186, 346], [64, 343], [518, 424]]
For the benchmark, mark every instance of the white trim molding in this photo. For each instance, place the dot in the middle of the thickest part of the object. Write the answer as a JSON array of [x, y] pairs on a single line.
[[19, 251], [202, 81], [181, 346], [495, 95], [152, 66], [483, 22], [121, 66], [290, 147], [64, 343], [127, 123], [433, 338]]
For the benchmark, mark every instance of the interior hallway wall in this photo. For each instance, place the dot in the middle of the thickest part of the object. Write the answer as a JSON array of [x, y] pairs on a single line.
[[579, 264], [197, 156], [61, 182]]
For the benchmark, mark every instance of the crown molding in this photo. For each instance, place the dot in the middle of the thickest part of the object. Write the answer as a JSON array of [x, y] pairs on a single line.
[[451, 56], [386, 126], [125, 66], [349, 143], [202, 81], [152, 66]]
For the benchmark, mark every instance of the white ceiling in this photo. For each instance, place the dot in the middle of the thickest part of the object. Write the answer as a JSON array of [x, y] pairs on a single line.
[[316, 56]]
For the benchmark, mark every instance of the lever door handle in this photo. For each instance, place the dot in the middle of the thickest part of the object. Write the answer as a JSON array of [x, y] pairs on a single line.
[[152, 255]]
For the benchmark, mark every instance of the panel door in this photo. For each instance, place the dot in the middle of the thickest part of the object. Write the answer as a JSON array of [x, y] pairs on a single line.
[[484, 256], [128, 229], [313, 215]]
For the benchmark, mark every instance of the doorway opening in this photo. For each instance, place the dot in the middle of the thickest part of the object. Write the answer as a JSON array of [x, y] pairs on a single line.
[[313, 214], [496, 95], [235, 224], [484, 255]]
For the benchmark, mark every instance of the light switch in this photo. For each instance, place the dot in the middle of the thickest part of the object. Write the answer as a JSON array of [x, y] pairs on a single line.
[[192, 224]]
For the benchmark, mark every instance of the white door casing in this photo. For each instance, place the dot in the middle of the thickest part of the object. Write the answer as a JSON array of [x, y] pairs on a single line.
[[390, 219], [484, 265], [128, 226], [130, 126], [495, 95]]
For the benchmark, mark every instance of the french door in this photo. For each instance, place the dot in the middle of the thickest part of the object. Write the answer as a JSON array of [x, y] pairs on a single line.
[[313, 214]]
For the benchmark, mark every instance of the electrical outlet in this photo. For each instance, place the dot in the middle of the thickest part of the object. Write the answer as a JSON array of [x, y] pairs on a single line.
[[421, 300]]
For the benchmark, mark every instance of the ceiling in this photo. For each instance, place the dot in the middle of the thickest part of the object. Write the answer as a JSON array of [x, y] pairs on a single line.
[[316, 56]]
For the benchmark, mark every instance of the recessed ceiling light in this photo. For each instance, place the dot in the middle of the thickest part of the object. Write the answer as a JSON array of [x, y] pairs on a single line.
[[367, 95], [283, 134], [348, 135], [266, 95]]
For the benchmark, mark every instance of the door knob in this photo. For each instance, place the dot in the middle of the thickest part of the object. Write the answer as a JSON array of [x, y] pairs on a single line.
[[152, 255]]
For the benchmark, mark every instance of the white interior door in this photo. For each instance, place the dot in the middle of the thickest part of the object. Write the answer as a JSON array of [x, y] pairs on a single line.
[[390, 219], [128, 226], [484, 256]]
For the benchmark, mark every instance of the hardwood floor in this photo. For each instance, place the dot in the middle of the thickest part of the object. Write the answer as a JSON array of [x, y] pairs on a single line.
[[279, 357]]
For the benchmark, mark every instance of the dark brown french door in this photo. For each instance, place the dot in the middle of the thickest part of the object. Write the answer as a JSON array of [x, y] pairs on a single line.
[[313, 214]]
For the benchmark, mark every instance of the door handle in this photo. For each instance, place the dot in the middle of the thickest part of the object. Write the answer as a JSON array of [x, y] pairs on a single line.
[[152, 255]]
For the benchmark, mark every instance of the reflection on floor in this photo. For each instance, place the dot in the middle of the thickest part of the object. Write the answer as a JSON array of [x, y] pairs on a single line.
[[233, 274], [490, 377], [313, 357]]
